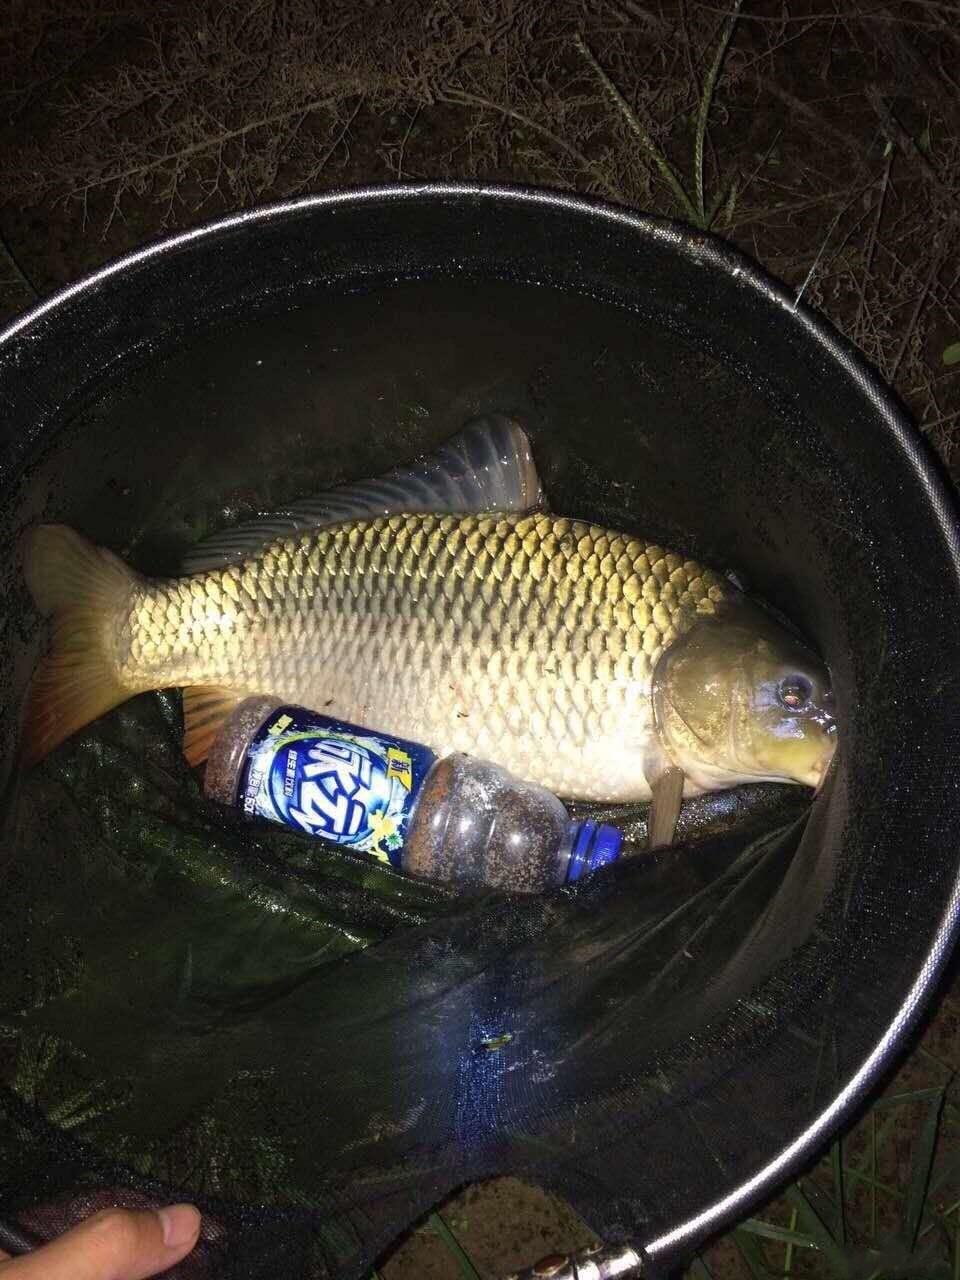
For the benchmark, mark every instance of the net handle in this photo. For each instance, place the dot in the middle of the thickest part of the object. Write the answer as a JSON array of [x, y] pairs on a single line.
[[603, 1262]]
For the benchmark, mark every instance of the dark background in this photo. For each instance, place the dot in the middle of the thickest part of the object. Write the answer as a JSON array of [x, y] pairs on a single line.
[[832, 155]]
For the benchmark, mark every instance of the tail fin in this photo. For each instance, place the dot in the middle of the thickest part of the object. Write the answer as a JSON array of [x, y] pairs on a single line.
[[82, 587]]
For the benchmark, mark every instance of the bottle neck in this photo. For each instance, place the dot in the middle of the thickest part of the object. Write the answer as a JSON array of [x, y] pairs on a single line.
[[588, 846]]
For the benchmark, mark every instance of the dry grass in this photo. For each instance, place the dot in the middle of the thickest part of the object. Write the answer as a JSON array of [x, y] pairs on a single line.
[[832, 151]]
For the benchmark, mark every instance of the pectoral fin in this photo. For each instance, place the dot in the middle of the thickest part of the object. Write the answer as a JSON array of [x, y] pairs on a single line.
[[665, 808], [666, 785]]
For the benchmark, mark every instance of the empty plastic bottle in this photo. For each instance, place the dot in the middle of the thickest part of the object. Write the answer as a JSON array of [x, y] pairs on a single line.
[[456, 819]]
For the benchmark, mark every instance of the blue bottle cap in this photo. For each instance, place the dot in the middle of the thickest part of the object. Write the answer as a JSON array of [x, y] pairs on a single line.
[[593, 846]]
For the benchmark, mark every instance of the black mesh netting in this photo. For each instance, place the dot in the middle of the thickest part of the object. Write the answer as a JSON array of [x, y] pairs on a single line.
[[313, 1048]]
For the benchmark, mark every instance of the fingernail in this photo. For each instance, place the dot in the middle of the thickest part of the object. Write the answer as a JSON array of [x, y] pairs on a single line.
[[180, 1223]]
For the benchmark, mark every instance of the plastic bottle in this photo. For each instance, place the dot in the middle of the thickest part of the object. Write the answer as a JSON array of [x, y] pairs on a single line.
[[456, 819]]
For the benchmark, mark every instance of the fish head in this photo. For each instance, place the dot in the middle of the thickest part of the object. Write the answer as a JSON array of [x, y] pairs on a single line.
[[739, 698]]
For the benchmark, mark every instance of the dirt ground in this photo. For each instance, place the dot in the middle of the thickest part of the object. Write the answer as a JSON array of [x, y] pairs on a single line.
[[830, 139]]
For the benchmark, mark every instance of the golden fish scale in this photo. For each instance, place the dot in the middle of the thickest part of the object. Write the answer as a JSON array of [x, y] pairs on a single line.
[[529, 640]]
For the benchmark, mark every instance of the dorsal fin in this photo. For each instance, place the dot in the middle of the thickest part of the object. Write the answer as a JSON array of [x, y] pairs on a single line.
[[488, 466]]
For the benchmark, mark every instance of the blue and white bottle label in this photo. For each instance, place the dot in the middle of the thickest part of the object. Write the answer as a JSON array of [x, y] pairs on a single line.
[[335, 780]]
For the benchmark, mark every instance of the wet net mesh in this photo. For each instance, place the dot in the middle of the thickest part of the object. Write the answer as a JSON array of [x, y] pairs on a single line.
[[311, 1047]]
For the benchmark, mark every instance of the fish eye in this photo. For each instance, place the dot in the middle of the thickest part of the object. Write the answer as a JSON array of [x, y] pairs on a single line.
[[795, 692]]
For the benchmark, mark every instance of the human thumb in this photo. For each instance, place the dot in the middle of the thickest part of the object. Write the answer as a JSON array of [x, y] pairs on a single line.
[[117, 1244]]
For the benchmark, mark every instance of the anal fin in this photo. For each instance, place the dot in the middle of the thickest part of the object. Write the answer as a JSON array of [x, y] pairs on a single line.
[[205, 707]]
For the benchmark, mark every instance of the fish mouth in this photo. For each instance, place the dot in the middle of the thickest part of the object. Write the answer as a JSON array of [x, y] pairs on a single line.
[[815, 777]]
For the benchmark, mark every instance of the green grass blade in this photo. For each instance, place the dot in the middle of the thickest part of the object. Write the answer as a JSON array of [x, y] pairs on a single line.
[[873, 1175], [920, 1166], [882, 1134], [864, 1179], [836, 1163], [948, 1172], [752, 1254], [922, 1050], [704, 113], [947, 1212], [914, 1095], [814, 1226], [666, 169], [929, 1219], [783, 1235], [788, 1252], [725, 199], [467, 1269], [700, 1269]]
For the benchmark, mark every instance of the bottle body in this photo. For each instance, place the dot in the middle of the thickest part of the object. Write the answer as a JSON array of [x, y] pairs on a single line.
[[319, 775], [478, 825], [455, 819]]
